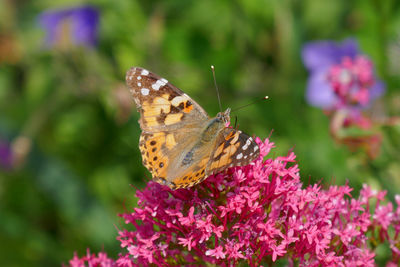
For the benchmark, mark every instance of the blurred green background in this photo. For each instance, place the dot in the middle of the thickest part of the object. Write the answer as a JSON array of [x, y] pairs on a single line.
[[70, 123]]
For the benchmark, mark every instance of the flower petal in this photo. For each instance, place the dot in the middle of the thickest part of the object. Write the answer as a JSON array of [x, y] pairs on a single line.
[[377, 90], [321, 54], [319, 91]]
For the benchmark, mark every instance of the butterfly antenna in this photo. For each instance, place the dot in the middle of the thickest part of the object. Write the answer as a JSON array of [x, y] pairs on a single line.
[[251, 103], [216, 87]]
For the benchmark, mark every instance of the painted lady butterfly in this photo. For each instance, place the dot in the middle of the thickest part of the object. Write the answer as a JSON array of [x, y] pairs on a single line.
[[180, 144]]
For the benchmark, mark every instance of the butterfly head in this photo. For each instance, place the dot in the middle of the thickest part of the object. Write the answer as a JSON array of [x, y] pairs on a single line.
[[224, 116]]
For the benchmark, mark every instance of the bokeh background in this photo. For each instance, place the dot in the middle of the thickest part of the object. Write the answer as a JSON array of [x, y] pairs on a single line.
[[68, 128]]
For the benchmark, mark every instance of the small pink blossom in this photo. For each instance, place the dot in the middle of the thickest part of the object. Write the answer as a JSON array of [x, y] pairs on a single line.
[[217, 253], [189, 220], [277, 251], [384, 215], [187, 242], [233, 250]]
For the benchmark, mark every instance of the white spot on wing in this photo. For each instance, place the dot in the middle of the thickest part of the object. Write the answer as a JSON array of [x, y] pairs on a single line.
[[255, 148], [245, 146], [239, 156], [145, 91], [159, 83], [178, 99], [139, 84], [139, 77], [145, 72]]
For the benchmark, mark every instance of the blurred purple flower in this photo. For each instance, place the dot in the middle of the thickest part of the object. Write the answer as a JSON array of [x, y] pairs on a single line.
[[5, 155], [76, 26], [340, 76]]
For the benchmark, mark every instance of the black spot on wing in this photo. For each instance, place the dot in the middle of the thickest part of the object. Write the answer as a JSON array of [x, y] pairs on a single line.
[[174, 110], [188, 158], [161, 118]]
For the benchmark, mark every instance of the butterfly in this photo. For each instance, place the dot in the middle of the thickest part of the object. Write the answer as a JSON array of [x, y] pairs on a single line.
[[180, 144]]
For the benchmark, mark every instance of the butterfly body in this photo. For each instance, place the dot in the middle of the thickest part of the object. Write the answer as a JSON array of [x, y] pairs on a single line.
[[180, 144]]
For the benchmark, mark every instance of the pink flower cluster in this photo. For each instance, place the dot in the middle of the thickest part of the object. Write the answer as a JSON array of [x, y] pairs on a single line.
[[92, 260], [257, 214], [351, 81], [354, 85], [343, 83]]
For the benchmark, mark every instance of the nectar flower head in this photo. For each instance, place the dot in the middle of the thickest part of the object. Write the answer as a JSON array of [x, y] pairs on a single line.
[[256, 214], [70, 26], [340, 76]]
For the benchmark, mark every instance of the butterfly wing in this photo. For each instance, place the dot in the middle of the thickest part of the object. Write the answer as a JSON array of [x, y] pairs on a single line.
[[173, 157], [162, 106], [230, 148], [233, 148], [171, 122]]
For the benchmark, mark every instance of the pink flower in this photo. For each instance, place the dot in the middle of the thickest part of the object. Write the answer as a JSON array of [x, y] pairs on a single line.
[[277, 251], [101, 260], [344, 84], [340, 75], [189, 220], [187, 242], [233, 250], [255, 214], [384, 215], [217, 253]]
